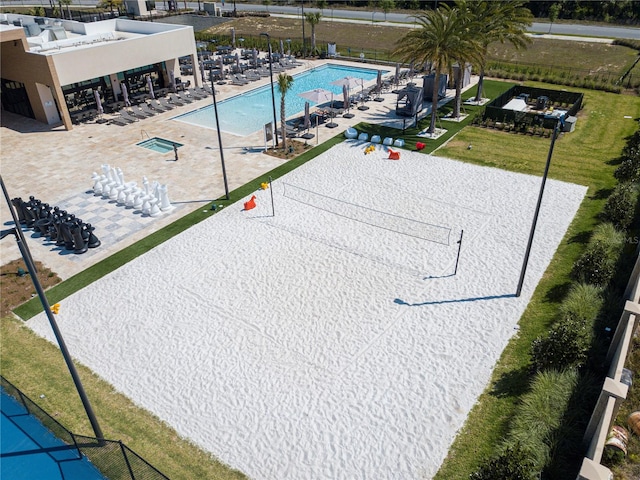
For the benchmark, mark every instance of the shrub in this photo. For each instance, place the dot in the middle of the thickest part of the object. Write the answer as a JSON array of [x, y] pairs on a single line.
[[511, 464], [629, 168], [596, 265], [540, 414], [583, 302], [620, 206], [565, 346]]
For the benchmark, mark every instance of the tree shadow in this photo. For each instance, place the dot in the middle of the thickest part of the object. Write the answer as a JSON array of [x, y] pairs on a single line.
[[557, 293], [512, 383], [581, 237], [602, 193]]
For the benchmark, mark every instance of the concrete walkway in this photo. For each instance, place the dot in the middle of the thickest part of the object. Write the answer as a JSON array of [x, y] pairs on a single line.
[[55, 166]]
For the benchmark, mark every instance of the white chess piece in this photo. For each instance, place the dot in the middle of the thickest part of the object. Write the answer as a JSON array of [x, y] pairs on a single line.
[[154, 211], [97, 186], [165, 204], [146, 205], [139, 200], [131, 196]]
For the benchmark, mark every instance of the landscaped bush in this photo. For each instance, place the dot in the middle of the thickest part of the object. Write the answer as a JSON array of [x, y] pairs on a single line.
[[583, 302], [620, 206], [597, 264], [540, 415], [565, 346], [512, 464], [629, 168]]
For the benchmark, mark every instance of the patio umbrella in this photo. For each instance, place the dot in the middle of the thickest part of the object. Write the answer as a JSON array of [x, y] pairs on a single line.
[[345, 97], [150, 85], [307, 116], [396, 78], [317, 95], [98, 102], [281, 48], [221, 62], [379, 82], [125, 95], [202, 72], [348, 82], [255, 58], [172, 80], [237, 60]]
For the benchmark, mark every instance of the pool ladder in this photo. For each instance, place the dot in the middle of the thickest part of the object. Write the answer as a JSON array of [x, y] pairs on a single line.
[[143, 133]]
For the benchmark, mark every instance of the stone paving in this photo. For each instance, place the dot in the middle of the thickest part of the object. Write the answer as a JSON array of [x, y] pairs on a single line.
[[55, 166]]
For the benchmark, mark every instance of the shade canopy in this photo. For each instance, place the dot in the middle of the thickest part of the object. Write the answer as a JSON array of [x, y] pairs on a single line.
[[349, 82], [318, 95]]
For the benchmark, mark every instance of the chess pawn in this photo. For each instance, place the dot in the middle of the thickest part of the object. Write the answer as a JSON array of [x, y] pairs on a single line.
[[18, 203], [107, 185], [122, 195], [95, 179], [146, 205]]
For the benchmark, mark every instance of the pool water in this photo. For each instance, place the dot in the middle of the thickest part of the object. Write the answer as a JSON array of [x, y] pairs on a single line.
[[159, 145], [250, 111]]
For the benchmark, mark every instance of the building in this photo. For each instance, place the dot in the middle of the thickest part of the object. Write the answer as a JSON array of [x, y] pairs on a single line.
[[50, 68]]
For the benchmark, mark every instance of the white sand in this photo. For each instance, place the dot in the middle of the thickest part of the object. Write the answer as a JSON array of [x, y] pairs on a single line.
[[314, 346]]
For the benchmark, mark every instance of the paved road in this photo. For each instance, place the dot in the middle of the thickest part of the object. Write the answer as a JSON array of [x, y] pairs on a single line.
[[379, 16]]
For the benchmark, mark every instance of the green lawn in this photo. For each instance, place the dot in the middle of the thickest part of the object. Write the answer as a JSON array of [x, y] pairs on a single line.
[[584, 157], [581, 157]]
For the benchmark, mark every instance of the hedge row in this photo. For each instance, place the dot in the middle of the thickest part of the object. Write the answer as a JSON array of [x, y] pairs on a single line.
[[546, 422]]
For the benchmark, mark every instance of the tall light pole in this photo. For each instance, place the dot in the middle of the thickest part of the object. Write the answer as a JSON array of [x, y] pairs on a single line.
[[215, 109], [26, 256], [559, 121], [304, 41], [273, 95]]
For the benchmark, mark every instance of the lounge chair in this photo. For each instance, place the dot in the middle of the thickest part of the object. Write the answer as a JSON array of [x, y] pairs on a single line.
[[196, 95], [200, 92], [158, 107], [135, 112], [173, 98], [238, 80], [165, 103], [207, 88], [146, 109], [119, 121], [184, 97], [127, 117]]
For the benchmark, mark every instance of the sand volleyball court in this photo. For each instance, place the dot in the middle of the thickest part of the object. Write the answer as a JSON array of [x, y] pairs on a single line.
[[330, 341]]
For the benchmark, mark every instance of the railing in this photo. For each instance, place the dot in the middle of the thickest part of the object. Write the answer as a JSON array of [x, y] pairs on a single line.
[[112, 458], [616, 386]]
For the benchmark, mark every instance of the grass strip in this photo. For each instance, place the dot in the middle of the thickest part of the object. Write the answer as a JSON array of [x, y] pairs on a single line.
[[585, 156]]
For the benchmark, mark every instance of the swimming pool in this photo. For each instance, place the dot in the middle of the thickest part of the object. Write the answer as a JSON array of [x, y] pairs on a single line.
[[250, 111], [159, 145]]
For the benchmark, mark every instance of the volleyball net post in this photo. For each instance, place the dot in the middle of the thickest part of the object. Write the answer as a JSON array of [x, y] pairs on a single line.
[[459, 248], [273, 210]]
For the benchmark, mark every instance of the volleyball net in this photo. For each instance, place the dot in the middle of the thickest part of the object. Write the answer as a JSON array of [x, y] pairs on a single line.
[[369, 216]]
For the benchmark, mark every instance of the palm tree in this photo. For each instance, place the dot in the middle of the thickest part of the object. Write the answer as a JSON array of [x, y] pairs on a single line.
[[504, 21], [436, 41], [313, 19], [285, 82]]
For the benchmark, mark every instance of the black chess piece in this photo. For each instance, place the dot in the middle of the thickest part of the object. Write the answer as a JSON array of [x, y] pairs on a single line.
[[18, 203], [79, 245], [90, 238]]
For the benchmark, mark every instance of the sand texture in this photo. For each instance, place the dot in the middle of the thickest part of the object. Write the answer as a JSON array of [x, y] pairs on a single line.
[[330, 341]]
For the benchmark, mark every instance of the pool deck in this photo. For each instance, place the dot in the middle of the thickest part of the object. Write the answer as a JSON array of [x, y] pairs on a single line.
[[55, 166]]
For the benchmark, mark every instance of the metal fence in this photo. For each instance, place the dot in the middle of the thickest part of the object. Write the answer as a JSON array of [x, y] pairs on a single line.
[[112, 458]]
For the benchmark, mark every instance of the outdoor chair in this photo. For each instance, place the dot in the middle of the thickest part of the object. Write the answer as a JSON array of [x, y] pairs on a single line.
[[184, 97], [173, 98], [164, 103], [157, 106], [146, 109], [127, 117]]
